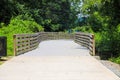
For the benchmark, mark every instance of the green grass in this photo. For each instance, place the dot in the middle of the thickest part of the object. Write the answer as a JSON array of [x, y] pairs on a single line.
[[116, 60], [1, 62]]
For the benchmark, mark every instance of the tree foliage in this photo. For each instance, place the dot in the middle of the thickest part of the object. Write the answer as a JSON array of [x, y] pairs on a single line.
[[17, 25], [104, 19], [28, 16], [54, 15]]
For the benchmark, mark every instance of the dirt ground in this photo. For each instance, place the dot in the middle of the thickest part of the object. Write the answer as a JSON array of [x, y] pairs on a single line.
[[112, 66]]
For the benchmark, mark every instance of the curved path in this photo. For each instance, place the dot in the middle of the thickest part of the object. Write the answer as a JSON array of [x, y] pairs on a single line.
[[56, 60]]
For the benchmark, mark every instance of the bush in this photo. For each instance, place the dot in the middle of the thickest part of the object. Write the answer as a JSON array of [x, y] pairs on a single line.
[[83, 29], [116, 60], [109, 42], [116, 46], [102, 41], [18, 26], [103, 45]]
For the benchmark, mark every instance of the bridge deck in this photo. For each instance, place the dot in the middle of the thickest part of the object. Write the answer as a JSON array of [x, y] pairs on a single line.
[[56, 60]]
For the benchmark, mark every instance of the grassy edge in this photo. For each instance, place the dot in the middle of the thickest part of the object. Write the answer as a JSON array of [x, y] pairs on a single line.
[[4, 59]]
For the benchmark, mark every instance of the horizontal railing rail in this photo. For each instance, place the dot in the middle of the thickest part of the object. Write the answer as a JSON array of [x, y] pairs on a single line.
[[86, 40], [25, 42]]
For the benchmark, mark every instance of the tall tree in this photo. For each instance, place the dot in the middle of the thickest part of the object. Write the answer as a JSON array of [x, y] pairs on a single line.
[[54, 15], [104, 18], [7, 10]]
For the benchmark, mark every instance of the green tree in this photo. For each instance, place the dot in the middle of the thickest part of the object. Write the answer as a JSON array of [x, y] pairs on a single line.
[[104, 18], [7, 10], [58, 14]]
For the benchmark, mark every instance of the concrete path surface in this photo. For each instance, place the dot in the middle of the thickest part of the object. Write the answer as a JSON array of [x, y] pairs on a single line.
[[58, 48], [56, 60]]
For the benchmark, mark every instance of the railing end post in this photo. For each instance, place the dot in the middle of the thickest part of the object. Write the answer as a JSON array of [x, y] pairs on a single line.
[[14, 45], [93, 39]]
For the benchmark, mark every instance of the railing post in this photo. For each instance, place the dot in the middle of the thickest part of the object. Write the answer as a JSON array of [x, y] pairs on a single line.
[[86, 40], [93, 40], [14, 45], [39, 39]]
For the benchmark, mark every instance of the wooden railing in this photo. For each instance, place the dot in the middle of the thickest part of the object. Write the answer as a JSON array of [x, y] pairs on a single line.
[[27, 42], [86, 40], [55, 35]]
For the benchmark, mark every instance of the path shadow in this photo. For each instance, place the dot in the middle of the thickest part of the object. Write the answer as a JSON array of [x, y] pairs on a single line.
[[80, 47]]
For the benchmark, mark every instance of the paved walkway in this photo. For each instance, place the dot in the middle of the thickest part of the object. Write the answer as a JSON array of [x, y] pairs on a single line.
[[56, 60]]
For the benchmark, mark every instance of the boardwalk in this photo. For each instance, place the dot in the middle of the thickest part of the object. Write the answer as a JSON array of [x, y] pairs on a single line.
[[56, 60]]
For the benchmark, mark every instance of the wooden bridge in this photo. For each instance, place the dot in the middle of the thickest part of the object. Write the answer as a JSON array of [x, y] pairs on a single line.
[[27, 42], [54, 56]]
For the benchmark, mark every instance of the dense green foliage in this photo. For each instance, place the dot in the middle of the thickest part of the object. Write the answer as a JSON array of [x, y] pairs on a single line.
[[21, 16], [53, 15], [116, 60], [104, 21], [16, 26]]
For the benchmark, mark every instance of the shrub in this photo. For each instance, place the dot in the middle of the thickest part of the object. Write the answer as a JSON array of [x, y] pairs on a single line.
[[116, 60], [83, 29], [18, 26], [109, 42]]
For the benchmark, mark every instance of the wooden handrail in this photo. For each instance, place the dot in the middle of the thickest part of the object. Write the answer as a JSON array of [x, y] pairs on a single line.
[[86, 40], [56, 35], [27, 42]]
